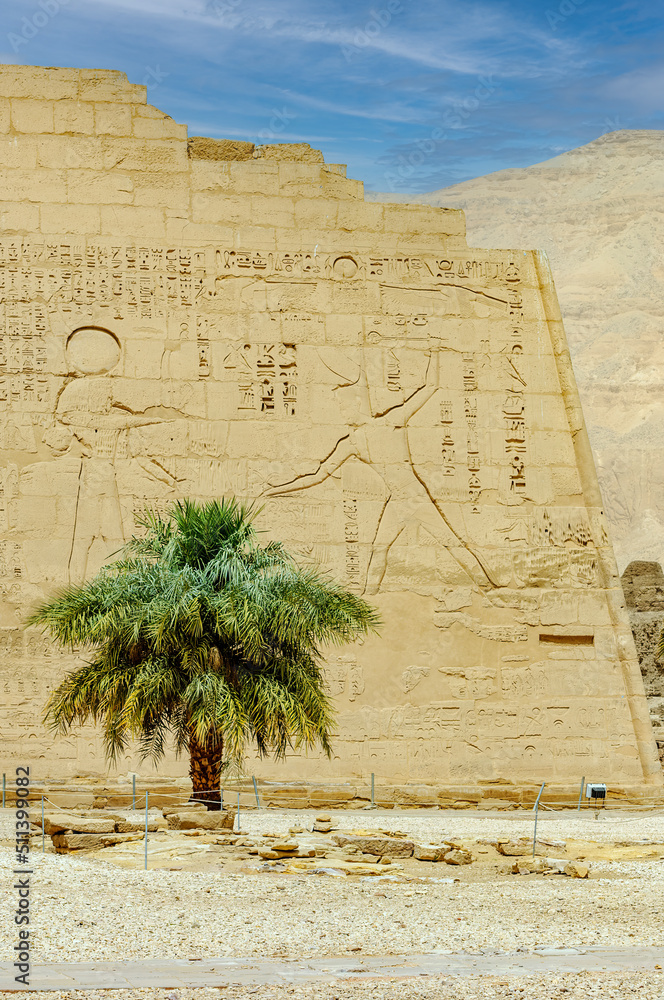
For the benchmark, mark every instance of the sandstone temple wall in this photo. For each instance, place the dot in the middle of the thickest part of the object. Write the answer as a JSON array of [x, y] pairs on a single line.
[[199, 318]]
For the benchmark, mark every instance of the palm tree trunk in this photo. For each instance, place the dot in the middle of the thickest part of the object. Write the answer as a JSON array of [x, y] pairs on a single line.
[[205, 770]]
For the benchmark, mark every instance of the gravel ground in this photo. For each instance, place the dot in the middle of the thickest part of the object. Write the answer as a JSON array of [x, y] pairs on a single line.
[[85, 909], [580, 986]]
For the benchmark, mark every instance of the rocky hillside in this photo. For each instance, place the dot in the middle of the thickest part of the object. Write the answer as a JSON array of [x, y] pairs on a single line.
[[598, 211]]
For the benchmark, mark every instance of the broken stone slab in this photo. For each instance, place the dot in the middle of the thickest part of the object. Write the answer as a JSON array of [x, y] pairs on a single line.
[[285, 846], [57, 823], [523, 847], [378, 846], [322, 824], [458, 856], [428, 852], [138, 826], [195, 819], [66, 842], [549, 866]]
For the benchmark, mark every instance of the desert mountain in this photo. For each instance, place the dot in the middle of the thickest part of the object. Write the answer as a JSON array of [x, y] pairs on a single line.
[[598, 211]]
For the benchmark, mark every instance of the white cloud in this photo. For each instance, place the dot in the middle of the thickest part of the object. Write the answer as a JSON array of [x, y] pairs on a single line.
[[485, 40], [641, 88]]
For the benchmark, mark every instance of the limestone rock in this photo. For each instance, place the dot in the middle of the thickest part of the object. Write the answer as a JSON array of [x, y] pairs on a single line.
[[576, 870], [427, 852], [289, 152], [193, 819], [55, 823], [458, 856], [136, 826], [549, 866], [65, 842], [378, 846], [322, 823], [201, 148]]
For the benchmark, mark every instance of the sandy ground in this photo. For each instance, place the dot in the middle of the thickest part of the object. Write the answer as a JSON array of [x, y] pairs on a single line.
[[208, 900], [583, 986]]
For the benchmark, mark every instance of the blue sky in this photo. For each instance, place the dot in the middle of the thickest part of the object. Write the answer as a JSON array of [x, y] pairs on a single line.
[[413, 96]]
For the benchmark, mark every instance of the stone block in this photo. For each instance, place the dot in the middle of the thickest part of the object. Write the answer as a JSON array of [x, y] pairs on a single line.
[[458, 856], [331, 795], [32, 116], [429, 852], [97, 187], [110, 86], [35, 82], [158, 128], [34, 185], [393, 847], [56, 823], [73, 117], [19, 217], [80, 220], [119, 219], [112, 119], [201, 148], [65, 842], [196, 819], [138, 825], [143, 154]]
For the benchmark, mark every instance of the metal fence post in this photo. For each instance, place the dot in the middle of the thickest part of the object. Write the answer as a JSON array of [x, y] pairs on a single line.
[[133, 792], [4, 787], [372, 791], [536, 808], [43, 847], [583, 781], [258, 804], [146, 831], [238, 812]]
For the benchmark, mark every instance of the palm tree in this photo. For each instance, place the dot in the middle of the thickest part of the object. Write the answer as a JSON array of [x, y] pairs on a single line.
[[201, 633]]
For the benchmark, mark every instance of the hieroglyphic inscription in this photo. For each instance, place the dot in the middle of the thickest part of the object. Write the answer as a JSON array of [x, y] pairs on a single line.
[[470, 388], [267, 377], [352, 540], [515, 403]]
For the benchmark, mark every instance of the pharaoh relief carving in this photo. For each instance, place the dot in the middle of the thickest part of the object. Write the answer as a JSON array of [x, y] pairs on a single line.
[[406, 418]]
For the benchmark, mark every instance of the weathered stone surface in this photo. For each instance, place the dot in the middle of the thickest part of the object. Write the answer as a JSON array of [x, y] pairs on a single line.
[[378, 846], [458, 856], [643, 585], [427, 852], [55, 823], [201, 148], [289, 152], [65, 842], [196, 819], [549, 866], [136, 825], [401, 404]]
